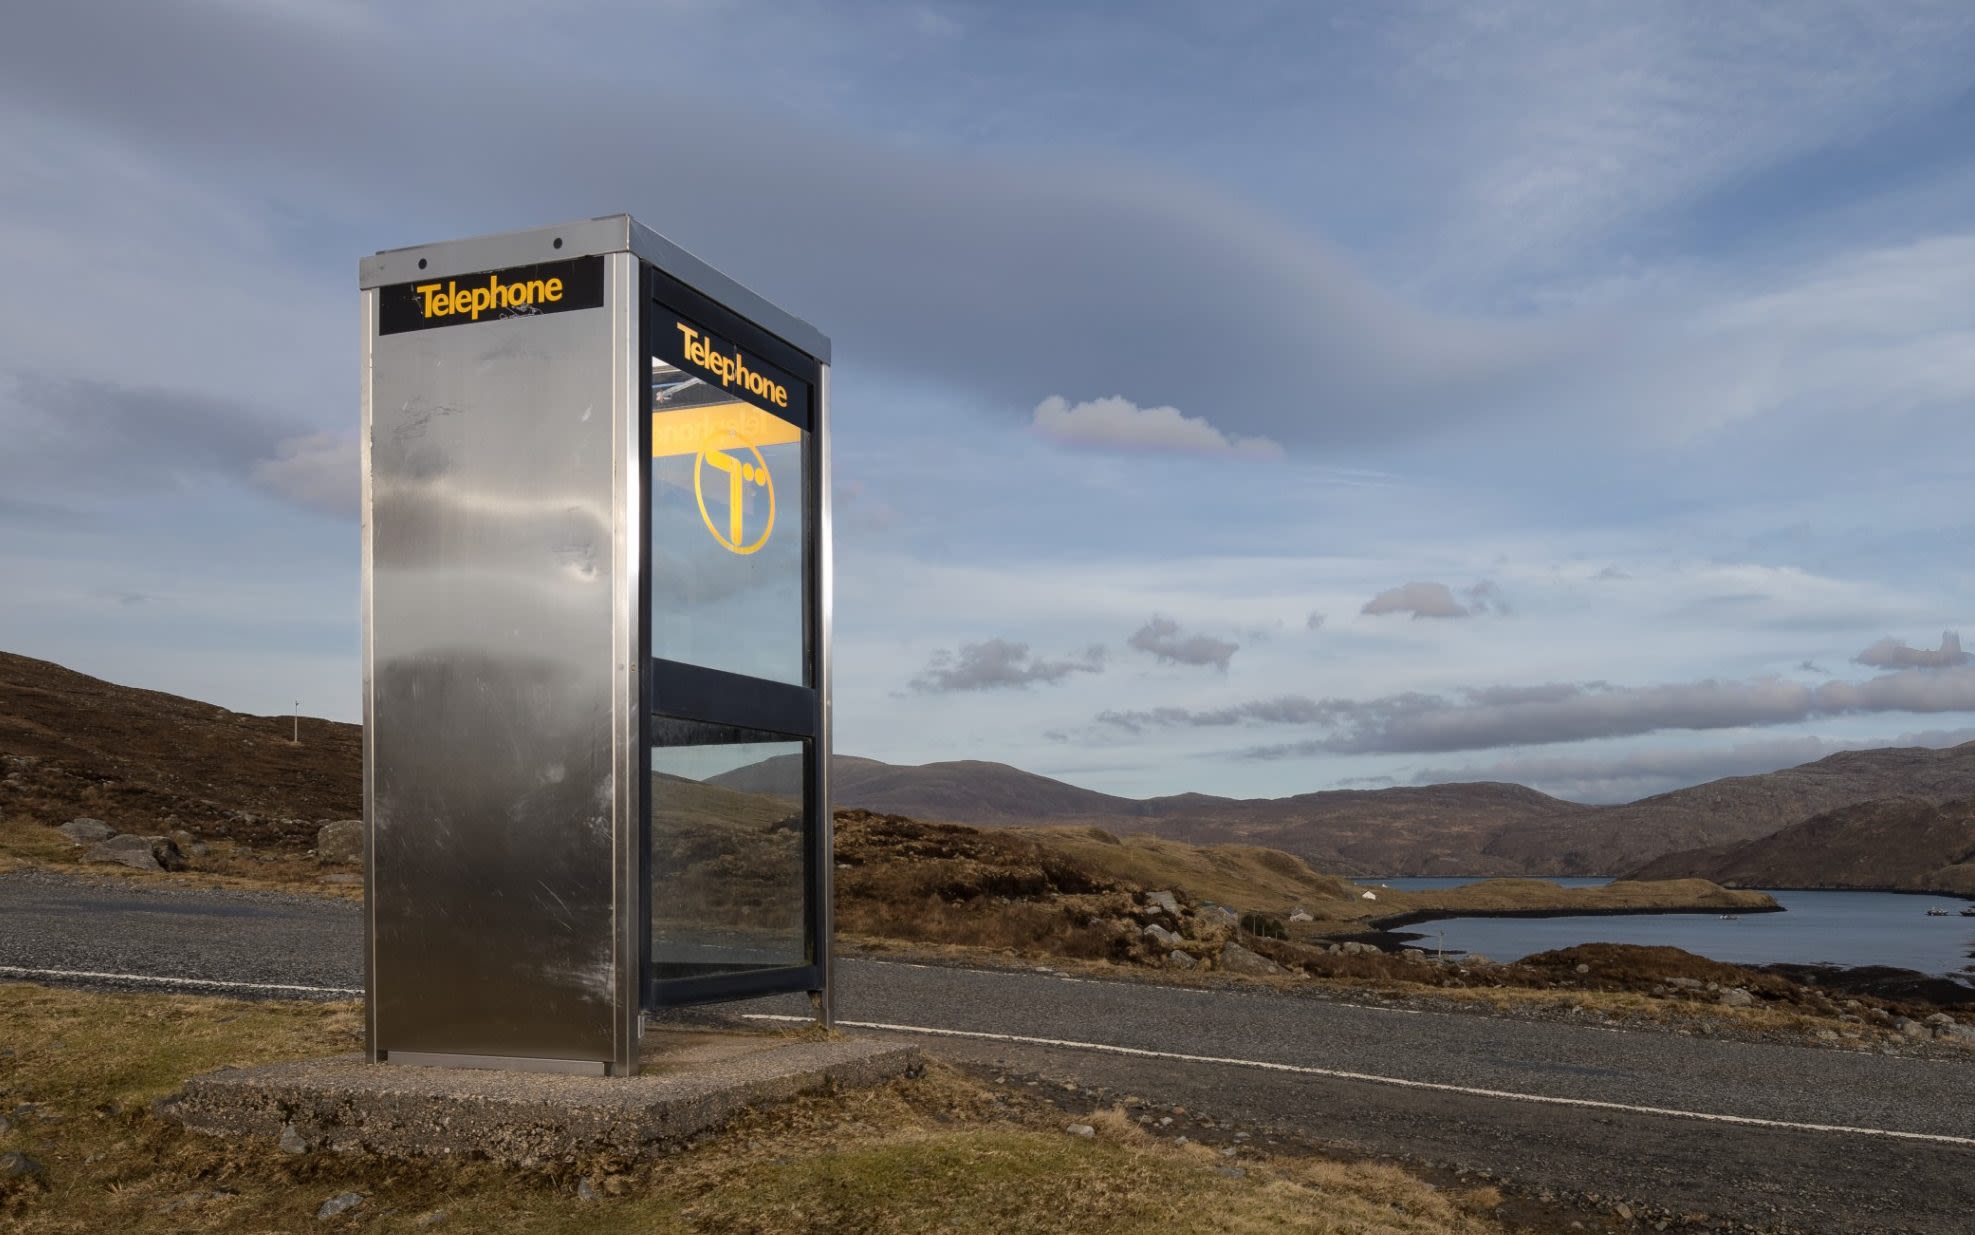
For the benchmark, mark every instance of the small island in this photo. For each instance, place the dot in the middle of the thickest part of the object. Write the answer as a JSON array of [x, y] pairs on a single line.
[[1539, 898]]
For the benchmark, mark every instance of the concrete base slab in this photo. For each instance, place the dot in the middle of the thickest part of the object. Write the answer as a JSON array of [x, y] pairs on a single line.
[[690, 1081]]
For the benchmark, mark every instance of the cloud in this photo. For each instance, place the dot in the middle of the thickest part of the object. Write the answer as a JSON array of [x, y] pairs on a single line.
[[1117, 423], [1162, 638], [1038, 273], [1435, 600], [1282, 710], [1314, 622], [87, 431], [1483, 718], [1486, 597], [318, 471], [1811, 666], [1891, 653], [998, 664]]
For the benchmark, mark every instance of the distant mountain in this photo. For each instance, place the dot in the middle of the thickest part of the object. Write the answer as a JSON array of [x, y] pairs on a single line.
[[1905, 843], [964, 791], [1479, 828]]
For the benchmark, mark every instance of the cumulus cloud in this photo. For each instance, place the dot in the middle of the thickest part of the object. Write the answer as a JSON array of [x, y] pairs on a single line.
[[318, 470], [1483, 718], [1117, 423], [1162, 638], [1891, 653], [999, 664], [1434, 600]]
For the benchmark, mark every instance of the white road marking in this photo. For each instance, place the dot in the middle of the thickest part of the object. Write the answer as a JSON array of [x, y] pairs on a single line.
[[17, 971], [1109, 1049], [1373, 1078], [1169, 989]]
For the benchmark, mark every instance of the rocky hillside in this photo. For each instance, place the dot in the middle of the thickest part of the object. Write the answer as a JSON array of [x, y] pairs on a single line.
[[1905, 843], [146, 762]]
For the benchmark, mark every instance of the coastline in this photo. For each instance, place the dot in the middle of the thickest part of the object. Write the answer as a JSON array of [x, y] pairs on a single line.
[[1414, 917]]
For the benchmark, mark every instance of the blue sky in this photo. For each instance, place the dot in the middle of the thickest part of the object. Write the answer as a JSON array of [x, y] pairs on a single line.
[[1238, 398]]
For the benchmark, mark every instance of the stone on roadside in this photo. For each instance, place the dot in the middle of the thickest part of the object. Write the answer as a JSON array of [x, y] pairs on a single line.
[[85, 831], [1583, 968], [1163, 900], [1083, 1130], [1300, 914], [1736, 997], [1475, 960], [339, 842], [584, 1190], [1938, 1018], [341, 1203], [1685, 984], [431, 1217], [145, 853], [1161, 936], [1911, 1028], [1180, 960], [291, 1141], [1237, 959], [17, 1165]]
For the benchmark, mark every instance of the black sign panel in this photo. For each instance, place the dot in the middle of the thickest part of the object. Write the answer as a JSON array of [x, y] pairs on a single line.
[[519, 291], [693, 349]]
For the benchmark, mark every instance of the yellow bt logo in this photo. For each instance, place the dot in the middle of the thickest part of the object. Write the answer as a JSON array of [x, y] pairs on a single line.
[[725, 450]]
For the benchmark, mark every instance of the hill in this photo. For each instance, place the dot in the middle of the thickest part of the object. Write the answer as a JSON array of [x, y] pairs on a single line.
[[1478, 828], [74, 745], [1904, 843], [137, 759]]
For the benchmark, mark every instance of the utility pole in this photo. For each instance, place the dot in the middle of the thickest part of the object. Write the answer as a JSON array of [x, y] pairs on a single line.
[[298, 723]]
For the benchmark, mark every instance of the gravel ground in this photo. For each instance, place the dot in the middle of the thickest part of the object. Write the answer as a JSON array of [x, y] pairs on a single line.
[[1661, 1166]]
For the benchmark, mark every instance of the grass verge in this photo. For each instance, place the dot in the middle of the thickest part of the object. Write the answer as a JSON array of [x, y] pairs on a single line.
[[79, 1071]]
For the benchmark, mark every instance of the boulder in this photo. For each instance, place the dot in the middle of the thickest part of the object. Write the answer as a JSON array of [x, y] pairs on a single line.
[[1237, 959], [1180, 960], [87, 831], [1161, 936], [1300, 914], [15, 1165], [341, 1203], [340, 843], [1163, 900], [1736, 997], [145, 853]]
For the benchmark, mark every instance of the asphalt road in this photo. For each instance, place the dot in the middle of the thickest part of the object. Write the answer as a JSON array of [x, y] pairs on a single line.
[[1820, 1140]]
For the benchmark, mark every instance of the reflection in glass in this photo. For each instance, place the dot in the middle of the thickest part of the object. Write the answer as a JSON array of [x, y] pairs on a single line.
[[726, 531], [727, 852]]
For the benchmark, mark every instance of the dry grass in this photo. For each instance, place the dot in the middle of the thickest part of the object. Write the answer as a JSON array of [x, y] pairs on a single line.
[[939, 1154], [226, 864], [1247, 876]]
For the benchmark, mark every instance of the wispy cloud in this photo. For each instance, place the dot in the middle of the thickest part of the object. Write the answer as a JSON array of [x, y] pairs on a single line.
[[999, 664], [1891, 653], [1162, 638], [1117, 423]]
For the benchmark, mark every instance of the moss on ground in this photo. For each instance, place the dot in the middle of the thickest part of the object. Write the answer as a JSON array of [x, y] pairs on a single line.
[[79, 1071]]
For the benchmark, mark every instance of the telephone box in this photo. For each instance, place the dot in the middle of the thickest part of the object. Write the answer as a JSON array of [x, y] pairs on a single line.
[[596, 646]]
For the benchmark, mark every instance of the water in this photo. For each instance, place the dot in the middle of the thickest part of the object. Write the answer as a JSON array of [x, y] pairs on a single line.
[[1837, 928]]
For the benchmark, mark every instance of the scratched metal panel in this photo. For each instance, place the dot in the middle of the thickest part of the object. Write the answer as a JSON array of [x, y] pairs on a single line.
[[495, 583]]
